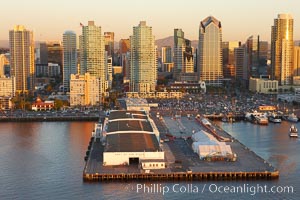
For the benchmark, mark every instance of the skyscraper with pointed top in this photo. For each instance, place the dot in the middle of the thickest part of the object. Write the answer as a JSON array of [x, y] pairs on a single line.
[[210, 51]]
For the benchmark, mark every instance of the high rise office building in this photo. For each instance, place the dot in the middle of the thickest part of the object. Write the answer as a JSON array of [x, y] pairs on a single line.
[[109, 38], [69, 58], [41, 53], [166, 54], [166, 59], [229, 58], [4, 61], [263, 52], [109, 65], [296, 60], [240, 63], [210, 51], [253, 55], [92, 53], [183, 55], [124, 50], [282, 51], [55, 53], [124, 46], [22, 58], [143, 68]]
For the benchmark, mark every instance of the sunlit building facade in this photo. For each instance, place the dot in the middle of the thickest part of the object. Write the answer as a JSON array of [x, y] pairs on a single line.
[[229, 67], [166, 54], [210, 52], [282, 51], [22, 58], [296, 60], [85, 90], [92, 53], [7, 86], [109, 39], [167, 59], [4, 61]]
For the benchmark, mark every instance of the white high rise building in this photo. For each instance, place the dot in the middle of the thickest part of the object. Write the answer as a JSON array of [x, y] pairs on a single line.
[[143, 65], [92, 54], [210, 51], [69, 58]]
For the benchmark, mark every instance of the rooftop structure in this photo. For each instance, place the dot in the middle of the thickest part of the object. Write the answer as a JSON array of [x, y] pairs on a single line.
[[134, 134]]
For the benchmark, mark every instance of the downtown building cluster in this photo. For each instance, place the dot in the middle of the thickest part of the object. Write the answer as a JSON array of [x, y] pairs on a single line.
[[87, 67]]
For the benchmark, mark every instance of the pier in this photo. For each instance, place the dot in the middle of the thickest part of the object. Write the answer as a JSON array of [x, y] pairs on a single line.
[[181, 161]]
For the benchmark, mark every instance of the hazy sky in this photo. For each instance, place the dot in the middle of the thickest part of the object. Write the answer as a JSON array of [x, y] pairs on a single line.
[[240, 18]]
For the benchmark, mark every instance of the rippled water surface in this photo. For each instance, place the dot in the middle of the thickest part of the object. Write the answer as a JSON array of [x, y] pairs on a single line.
[[44, 160]]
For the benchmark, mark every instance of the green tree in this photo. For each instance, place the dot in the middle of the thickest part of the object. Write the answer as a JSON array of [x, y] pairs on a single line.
[[58, 104], [49, 88]]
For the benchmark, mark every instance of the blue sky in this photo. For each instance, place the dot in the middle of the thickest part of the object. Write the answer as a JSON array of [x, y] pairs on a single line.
[[240, 18]]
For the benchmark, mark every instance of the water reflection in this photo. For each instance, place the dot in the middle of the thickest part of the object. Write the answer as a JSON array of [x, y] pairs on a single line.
[[44, 160]]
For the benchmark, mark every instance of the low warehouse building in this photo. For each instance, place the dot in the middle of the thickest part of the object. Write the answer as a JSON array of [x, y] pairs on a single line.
[[131, 137]]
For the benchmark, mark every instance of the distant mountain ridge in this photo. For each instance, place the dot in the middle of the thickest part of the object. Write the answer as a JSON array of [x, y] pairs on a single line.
[[169, 41]]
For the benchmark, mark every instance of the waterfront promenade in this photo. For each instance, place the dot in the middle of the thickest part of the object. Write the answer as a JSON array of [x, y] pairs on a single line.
[[41, 116]]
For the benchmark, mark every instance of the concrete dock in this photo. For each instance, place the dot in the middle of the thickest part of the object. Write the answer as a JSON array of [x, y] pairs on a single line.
[[182, 163]]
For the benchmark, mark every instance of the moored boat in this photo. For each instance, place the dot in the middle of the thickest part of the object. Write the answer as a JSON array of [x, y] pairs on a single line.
[[257, 118], [262, 119], [275, 118], [292, 118]]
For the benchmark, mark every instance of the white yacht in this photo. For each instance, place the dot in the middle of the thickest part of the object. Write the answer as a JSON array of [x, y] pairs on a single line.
[[262, 119], [293, 131], [292, 118], [274, 118]]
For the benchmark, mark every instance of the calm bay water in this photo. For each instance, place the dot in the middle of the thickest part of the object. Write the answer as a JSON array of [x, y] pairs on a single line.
[[44, 160]]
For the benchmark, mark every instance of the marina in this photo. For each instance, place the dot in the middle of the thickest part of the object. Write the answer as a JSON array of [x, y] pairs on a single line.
[[181, 162]]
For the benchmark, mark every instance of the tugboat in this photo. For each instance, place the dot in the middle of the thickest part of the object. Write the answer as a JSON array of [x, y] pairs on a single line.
[[293, 131]]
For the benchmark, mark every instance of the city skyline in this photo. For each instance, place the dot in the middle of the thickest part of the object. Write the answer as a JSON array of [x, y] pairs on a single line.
[[253, 17]]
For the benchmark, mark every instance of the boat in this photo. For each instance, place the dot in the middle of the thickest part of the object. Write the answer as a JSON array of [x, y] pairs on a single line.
[[257, 118], [275, 118], [292, 117], [262, 119], [293, 131], [225, 119]]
